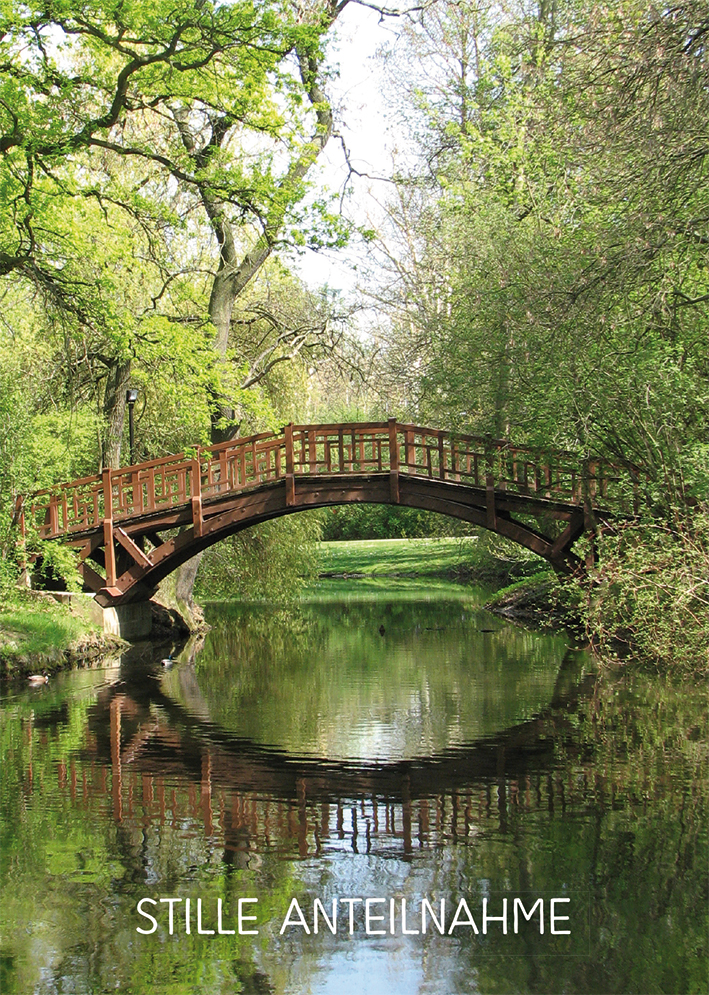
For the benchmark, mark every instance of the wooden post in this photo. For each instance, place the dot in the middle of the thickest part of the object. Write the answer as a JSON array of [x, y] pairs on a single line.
[[110, 552], [151, 489], [312, 453], [53, 516], [290, 478], [410, 449], [441, 456], [137, 492], [393, 463], [196, 496], [491, 516], [223, 472]]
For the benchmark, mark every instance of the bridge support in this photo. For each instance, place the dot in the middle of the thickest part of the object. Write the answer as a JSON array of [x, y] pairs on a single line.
[[132, 621]]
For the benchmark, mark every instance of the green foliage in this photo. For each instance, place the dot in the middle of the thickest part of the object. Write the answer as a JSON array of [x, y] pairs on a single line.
[[552, 255], [60, 445], [135, 141], [552, 273], [56, 568], [37, 448], [651, 593], [269, 562], [382, 521], [15, 416]]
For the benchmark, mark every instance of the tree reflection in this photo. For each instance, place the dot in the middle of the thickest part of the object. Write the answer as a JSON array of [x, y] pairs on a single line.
[[121, 792]]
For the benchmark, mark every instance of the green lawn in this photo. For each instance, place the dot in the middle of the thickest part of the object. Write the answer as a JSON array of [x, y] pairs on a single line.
[[404, 557], [32, 626]]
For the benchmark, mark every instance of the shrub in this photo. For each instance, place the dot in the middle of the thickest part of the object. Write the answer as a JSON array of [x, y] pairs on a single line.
[[651, 592], [269, 562]]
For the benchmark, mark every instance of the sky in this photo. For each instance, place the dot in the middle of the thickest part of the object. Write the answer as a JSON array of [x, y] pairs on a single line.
[[365, 120]]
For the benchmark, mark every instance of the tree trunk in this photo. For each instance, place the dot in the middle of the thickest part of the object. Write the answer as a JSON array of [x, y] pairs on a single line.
[[185, 577], [114, 410], [234, 273]]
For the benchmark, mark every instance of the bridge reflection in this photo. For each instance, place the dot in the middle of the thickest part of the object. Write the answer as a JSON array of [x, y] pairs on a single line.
[[159, 769]]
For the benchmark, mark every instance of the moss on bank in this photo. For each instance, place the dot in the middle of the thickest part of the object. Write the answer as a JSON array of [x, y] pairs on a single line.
[[37, 634], [542, 600]]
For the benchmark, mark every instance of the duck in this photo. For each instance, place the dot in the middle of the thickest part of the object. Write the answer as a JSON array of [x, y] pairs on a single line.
[[168, 661], [36, 679]]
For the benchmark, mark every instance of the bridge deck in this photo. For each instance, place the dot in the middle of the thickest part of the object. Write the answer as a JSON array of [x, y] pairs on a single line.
[[216, 490]]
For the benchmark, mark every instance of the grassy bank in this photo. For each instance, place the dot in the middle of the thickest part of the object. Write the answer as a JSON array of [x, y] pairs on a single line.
[[466, 558], [37, 633], [535, 598], [541, 600]]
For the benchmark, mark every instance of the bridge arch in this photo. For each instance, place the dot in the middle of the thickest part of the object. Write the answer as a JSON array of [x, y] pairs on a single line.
[[135, 525]]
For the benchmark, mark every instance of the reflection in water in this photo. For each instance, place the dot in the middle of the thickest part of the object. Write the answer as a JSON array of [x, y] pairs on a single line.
[[371, 681], [266, 798], [118, 786]]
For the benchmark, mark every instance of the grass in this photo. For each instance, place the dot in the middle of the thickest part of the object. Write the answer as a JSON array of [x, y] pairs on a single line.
[[36, 628], [398, 557], [371, 587], [545, 578]]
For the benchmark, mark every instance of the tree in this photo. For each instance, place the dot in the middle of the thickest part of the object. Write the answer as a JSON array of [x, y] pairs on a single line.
[[157, 113], [188, 131], [552, 240], [548, 268]]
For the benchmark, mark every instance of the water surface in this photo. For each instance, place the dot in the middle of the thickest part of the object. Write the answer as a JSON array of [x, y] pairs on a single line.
[[394, 748]]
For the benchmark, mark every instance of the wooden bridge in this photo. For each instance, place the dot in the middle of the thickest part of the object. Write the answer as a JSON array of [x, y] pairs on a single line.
[[135, 525]]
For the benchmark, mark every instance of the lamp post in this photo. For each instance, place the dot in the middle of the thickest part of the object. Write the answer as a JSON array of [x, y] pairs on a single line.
[[131, 398]]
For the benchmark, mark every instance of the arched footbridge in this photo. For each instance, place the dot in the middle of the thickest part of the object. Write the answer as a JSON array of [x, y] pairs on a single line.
[[135, 525]]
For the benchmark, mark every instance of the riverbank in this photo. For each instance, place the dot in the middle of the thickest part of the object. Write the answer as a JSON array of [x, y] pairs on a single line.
[[466, 558], [540, 600], [38, 634]]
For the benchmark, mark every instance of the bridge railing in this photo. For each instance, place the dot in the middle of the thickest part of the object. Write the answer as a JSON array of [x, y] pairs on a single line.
[[209, 474], [114, 495], [482, 462], [356, 448]]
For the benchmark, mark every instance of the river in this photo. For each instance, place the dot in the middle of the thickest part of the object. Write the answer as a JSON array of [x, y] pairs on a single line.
[[462, 805]]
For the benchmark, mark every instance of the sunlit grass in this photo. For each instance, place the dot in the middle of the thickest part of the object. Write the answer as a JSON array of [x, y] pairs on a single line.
[[387, 557], [31, 626], [373, 588]]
